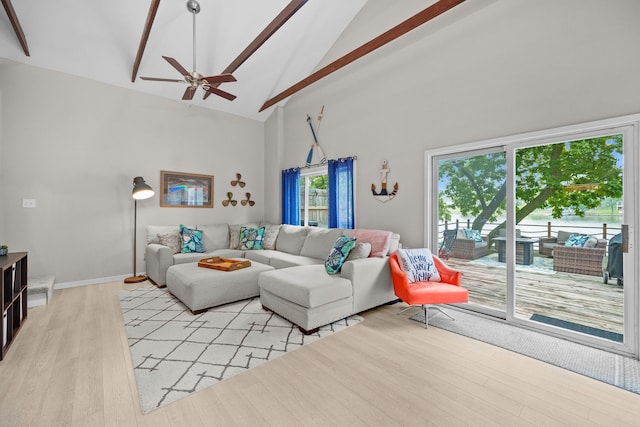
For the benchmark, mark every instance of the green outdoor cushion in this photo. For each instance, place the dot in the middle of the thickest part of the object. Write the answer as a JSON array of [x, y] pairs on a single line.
[[563, 236]]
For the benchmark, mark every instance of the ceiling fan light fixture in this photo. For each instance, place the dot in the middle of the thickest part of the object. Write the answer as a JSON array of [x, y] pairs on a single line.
[[193, 6]]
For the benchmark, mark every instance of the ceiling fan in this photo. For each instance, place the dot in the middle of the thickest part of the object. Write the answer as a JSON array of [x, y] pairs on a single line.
[[195, 79]]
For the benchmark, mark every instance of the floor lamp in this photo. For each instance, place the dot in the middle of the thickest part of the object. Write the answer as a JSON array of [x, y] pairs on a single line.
[[141, 190]]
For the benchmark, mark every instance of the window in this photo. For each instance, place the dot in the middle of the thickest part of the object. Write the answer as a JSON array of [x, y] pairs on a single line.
[[313, 197], [321, 196]]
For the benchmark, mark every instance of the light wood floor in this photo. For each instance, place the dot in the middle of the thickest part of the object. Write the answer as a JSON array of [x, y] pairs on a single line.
[[577, 298], [70, 366]]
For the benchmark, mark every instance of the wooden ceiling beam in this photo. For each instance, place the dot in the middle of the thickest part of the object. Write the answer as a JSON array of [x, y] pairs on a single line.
[[270, 30], [151, 16], [13, 18], [261, 38], [404, 27]]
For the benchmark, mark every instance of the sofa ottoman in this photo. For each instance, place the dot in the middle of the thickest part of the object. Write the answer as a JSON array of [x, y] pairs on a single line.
[[200, 288], [306, 295]]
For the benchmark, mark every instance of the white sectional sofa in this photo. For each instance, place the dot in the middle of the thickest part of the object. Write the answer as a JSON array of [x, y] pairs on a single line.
[[298, 287], [159, 258]]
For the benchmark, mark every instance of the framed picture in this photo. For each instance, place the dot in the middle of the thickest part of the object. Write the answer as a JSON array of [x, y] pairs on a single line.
[[186, 190]]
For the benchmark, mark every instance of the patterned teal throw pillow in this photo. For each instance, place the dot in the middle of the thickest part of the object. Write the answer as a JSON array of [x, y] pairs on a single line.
[[576, 240], [473, 235], [338, 254], [191, 240], [251, 238]]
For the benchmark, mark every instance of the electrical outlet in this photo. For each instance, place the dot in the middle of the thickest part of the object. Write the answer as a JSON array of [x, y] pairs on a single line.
[[28, 203]]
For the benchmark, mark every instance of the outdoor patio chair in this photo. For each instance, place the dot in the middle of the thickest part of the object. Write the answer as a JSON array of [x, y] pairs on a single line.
[[546, 245], [467, 248], [580, 260], [448, 240], [428, 294]]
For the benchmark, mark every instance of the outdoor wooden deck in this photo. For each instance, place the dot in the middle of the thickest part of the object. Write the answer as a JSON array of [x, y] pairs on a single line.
[[577, 298]]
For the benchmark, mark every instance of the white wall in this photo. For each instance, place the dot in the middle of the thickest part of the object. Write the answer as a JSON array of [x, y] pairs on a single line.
[[75, 146], [274, 152], [482, 70]]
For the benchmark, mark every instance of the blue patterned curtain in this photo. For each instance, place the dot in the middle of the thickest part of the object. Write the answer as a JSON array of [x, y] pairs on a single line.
[[290, 196], [341, 203]]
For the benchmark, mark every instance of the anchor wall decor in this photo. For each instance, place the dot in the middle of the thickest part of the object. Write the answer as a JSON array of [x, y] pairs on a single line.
[[384, 195]]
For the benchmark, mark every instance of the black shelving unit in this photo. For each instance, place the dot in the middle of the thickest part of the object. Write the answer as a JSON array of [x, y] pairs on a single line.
[[13, 297]]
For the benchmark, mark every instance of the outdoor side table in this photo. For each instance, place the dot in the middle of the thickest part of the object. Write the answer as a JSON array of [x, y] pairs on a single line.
[[524, 249]]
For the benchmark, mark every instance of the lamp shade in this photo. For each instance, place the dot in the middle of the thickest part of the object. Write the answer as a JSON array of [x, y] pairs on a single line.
[[141, 190]]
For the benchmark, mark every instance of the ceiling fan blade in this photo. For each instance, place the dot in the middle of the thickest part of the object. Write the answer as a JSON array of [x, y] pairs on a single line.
[[175, 64], [158, 79], [188, 93], [222, 78], [219, 92]]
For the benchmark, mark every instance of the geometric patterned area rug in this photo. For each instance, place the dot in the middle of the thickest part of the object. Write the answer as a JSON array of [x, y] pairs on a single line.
[[614, 369], [175, 353]]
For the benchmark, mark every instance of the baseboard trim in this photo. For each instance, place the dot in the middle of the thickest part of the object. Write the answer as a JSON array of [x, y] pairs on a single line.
[[36, 300], [88, 282]]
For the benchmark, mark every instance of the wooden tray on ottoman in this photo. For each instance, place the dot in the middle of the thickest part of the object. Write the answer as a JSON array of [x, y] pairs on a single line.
[[223, 264]]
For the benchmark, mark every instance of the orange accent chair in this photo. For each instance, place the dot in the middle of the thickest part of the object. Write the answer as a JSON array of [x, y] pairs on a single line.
[[427, 294]]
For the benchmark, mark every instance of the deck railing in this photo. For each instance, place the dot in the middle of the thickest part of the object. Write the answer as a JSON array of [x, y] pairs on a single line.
[[603, 231]]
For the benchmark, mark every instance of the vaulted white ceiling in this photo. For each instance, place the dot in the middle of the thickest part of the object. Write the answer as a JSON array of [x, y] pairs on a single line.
[[99, 40]]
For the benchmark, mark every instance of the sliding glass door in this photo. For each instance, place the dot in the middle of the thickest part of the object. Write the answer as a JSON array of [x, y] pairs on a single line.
[[570, 203], [471, 204], [542, 226]]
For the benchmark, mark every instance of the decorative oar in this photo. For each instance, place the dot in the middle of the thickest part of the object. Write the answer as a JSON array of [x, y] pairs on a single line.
[[315, 145]]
